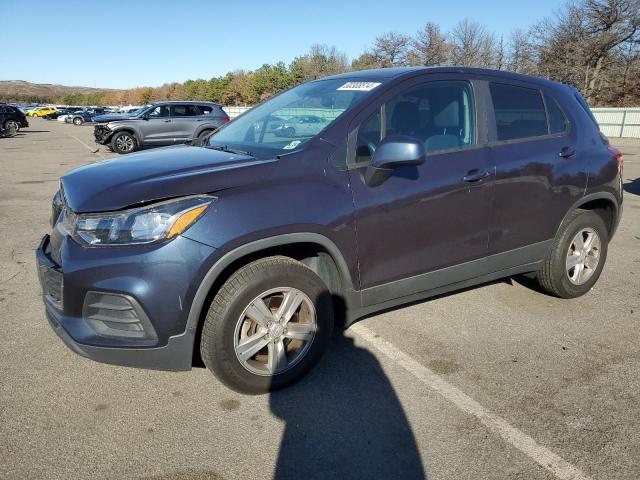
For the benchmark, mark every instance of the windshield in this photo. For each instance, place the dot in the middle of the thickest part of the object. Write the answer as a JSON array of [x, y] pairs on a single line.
[[136, 112], [286, 122]]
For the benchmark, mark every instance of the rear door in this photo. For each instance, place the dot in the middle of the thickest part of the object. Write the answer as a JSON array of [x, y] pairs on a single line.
[[185, 118], [156, 129], [539, 171]]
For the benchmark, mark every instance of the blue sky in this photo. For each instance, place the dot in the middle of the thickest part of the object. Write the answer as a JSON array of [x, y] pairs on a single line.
[[123, 44]]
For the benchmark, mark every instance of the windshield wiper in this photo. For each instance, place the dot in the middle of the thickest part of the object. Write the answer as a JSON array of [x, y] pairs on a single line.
[[225, 148]]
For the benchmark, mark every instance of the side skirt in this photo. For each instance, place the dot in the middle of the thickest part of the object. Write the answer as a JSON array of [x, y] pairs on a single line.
[[501, 265]]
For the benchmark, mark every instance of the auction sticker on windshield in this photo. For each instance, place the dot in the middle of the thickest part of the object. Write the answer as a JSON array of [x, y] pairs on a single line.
[[359, 86]]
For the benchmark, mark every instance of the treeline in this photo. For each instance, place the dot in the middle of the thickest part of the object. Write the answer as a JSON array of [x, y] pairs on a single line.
[[591, 44]]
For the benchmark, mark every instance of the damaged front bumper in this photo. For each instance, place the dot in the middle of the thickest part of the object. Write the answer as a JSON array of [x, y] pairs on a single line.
[[102, 134]]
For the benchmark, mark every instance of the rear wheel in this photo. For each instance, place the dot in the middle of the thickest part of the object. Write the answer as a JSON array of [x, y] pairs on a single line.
[[267, 326], [577, 256], [124, 142], [78, 121]]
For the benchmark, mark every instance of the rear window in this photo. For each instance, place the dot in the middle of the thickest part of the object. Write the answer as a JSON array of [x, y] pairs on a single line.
[[519, 112], [557, 121], [207, 109], [586, 108]]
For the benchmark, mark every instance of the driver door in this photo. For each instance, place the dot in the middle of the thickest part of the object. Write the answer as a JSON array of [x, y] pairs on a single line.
[[157, 128], [423, 219]]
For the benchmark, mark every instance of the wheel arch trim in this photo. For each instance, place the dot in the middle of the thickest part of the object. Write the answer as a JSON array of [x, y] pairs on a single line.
[[608, 196], [228, 258]]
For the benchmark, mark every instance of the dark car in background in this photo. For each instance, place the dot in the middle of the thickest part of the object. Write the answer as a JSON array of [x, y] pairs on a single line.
[[246, 250], [85, 115], [163, 123], [11, 117], [61, 111]]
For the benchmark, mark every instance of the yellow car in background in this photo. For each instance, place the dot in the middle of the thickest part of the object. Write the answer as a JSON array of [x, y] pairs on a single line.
[[41, 112]]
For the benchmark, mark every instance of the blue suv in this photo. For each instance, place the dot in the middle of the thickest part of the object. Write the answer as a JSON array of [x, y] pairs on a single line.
[[243, 251]]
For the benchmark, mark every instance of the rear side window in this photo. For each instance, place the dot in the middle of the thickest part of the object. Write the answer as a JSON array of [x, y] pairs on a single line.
[[184, 111], [557, 120], [519, 112]]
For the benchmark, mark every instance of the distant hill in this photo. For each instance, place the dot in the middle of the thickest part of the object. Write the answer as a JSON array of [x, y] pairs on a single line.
[[22, 88]]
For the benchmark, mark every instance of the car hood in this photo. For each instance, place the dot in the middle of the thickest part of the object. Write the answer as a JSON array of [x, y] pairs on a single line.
[[112, 117], [157, 175]]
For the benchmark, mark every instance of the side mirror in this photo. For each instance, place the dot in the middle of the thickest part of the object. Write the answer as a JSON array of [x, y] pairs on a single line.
[[394, 151]]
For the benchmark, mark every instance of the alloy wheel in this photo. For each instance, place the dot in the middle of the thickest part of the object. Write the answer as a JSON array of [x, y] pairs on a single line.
[[583, 256], [275, 331], [124, 143]]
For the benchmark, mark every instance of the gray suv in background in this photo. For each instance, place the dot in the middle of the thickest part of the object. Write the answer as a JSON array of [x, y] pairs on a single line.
[[163, 123]]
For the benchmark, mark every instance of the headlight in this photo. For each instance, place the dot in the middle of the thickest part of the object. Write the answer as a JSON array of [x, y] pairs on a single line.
[[148, 224]]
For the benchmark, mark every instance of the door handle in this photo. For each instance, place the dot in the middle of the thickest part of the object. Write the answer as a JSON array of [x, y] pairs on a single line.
[[567, 152], [475, 175], [167, 121]]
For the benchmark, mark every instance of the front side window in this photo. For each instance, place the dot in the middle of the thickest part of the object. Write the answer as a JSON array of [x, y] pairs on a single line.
[[160, 111], [289, 120], [440, 114], [519, 112]]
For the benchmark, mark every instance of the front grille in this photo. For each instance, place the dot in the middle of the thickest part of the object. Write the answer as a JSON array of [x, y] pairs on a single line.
[[101, 133]]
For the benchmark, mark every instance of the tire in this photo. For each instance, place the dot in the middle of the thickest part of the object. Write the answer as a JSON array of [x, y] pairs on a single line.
[[199, 140], [78, 121], [12, 124], [123, 143], [556, 276], [227, 326]]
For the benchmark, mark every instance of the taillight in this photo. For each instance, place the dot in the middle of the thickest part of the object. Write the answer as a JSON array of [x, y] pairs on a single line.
[[618, 156], [225, 119]]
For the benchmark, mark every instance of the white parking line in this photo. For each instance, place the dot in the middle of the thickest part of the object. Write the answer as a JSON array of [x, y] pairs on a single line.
[[91, 149], [523, 442]]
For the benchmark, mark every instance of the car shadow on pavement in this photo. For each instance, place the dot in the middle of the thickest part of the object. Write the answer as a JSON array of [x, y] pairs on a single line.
[[632, 187], [345, 421]]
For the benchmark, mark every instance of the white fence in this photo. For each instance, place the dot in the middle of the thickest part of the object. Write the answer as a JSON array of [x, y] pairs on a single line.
[[618, 122], [233, 112], [614, 122]]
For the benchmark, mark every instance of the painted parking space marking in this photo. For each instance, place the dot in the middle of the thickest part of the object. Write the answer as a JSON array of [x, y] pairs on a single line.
[[520, 440]]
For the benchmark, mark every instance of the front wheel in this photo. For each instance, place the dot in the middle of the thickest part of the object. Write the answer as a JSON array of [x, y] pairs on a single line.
[[12, 125], [577, 257], [267, 326], [77, 121], [124, 142]]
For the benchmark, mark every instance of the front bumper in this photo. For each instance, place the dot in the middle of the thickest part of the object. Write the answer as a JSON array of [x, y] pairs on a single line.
[[65, 289], [102, 134]]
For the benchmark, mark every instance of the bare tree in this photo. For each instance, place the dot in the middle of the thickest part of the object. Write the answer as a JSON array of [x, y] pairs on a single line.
[[521, 57], [579, 44], [391, 49], [430, 47], [471, 45]]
